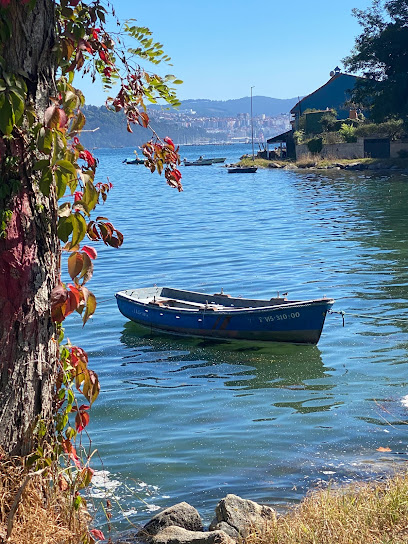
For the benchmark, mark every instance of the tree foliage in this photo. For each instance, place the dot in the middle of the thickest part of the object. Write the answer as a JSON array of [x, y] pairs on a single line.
[[381, 55]]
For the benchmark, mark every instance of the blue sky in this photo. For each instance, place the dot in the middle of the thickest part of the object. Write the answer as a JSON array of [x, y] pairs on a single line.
[[222, 48]]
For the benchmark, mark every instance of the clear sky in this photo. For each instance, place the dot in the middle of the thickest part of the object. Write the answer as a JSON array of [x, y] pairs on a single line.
[[221, 48]]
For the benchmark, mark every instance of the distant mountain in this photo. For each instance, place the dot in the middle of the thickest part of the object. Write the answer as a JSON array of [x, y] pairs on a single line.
[[110, 130], [271, 107]]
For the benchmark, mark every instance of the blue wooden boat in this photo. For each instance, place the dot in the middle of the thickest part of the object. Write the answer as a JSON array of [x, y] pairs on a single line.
[[219, 315]]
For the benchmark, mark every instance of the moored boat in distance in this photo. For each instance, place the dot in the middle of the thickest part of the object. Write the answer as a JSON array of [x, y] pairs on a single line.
[[188, 313], [134, 161], [218, 160], [199, 162], [242, 169]]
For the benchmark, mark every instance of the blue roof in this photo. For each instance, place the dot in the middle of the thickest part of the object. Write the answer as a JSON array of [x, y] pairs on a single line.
[[332, 94]]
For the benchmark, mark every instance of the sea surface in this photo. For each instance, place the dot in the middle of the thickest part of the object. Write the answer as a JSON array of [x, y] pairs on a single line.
[[192, 420]]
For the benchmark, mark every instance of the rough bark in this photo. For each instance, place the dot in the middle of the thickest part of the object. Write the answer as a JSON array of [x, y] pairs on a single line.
[[29, 253]]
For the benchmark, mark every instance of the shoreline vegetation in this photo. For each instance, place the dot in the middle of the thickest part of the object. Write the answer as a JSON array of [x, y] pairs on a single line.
[[319, 163], [360, 513], [373, 512]]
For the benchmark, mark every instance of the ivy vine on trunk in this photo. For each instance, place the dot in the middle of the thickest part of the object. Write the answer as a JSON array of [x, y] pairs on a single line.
[[48, 194]]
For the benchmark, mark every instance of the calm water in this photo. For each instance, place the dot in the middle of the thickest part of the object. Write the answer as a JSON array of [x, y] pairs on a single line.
[[181, 419]]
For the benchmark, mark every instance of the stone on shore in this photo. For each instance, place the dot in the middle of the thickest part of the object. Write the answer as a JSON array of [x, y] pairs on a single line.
[[181, 515], [237, 516], [178, 535]]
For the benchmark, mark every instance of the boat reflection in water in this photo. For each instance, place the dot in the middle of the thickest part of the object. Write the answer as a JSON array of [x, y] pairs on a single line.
[[169, 361]]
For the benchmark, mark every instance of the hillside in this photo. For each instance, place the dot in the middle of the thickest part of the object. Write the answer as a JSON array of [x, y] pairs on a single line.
[[209, 122], [230, 108], [111, 130]]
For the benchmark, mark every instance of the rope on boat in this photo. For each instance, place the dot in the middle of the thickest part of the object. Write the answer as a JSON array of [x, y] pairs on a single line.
[[105, 300], [342, 313]]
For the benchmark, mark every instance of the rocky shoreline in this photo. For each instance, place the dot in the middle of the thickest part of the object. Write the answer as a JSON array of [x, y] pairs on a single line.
[[234, 519]]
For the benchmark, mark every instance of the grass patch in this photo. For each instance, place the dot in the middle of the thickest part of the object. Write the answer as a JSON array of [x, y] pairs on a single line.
[[310, 160], [33, 511], [374, 513]]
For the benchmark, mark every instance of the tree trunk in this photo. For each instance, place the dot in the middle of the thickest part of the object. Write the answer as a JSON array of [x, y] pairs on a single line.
[[29, 251]]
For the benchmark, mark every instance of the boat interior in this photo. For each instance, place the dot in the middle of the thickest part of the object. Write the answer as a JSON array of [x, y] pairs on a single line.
[[180, 299]]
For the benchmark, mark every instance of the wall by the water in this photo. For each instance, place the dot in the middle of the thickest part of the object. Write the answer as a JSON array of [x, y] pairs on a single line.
[[336, 151]]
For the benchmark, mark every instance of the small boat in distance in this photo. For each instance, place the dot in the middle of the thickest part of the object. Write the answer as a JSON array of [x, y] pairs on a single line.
[[218, 160], [188, 313], [199, 162], [242, 170], [134, 161]]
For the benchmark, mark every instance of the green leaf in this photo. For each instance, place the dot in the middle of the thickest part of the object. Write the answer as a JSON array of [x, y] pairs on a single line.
[[6, 115], [45, 182], [44, 142], [65, 228], [43, 164], [67, 166], [61, 180], [18, 103], [78, 123], [78, 228], [90, 196]]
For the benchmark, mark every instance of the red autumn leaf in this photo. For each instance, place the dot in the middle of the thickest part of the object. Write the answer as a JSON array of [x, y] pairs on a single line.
[[169, 142], [78, 355], [62, 483], [75, 264], [71, 451], [103, 56], [77, 293], [145, 119], [81, 421], [97, 534], [59, 297], [84, 45], [63, 119]]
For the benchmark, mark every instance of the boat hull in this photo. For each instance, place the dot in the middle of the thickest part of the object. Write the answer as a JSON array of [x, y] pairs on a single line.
[[203, 162], [297, 322], [135, 161], [243, 170]]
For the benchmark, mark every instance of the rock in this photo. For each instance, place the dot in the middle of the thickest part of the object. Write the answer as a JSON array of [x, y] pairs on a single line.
[[178, 535], [353, 166], [242, 515], [274, 165], [181, 515], [228, 529]]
